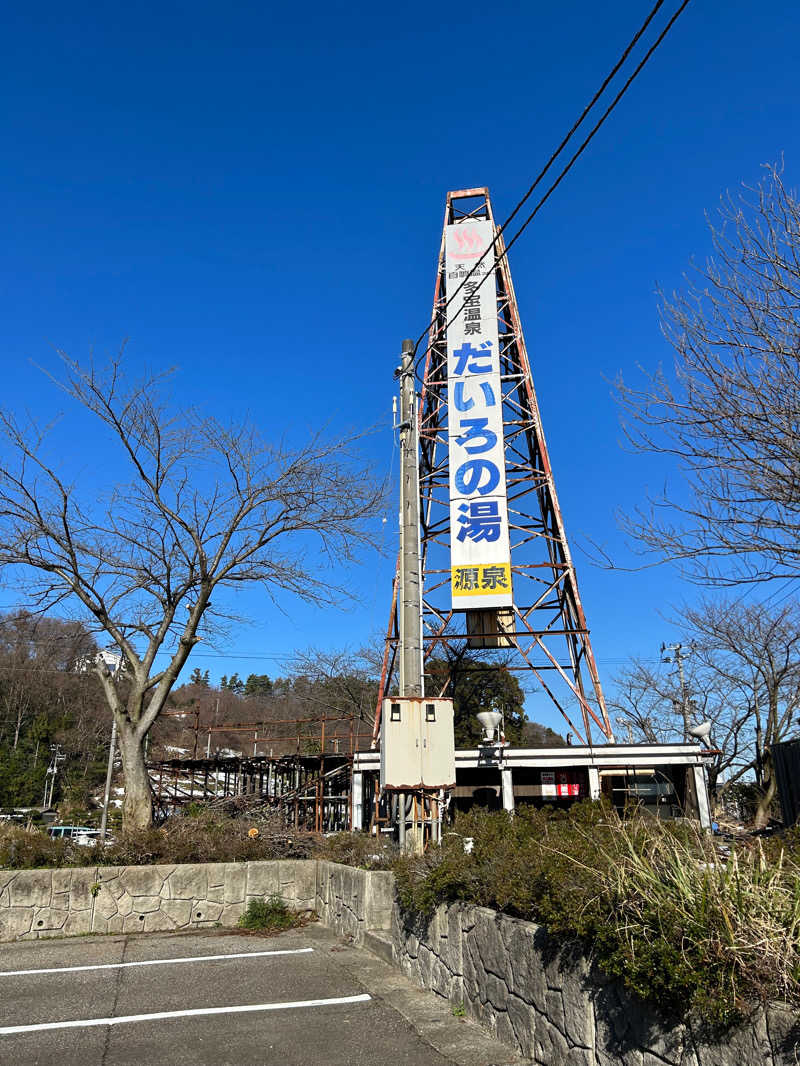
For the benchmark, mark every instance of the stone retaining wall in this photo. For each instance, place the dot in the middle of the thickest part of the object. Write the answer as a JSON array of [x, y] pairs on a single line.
[[354, 902], [546, 1002], [549, 1004], [113, 899]]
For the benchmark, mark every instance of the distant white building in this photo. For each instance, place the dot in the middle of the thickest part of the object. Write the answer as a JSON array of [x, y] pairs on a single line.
[[111, 657]]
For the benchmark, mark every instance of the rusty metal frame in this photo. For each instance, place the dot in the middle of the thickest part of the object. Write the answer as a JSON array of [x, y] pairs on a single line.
[[550, 631]]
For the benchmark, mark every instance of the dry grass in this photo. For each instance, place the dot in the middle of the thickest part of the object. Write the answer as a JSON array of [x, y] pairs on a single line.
[[654, 903], [197, 836]]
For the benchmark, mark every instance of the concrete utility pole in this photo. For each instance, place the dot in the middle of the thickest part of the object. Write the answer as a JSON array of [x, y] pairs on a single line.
[[208, 744], [410, 607], [112, 747], [411, 683], [678, 655], [52, 771]]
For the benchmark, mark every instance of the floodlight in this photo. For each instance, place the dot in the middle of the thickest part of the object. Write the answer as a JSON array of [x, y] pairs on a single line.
[[701, 732], [489, 721]]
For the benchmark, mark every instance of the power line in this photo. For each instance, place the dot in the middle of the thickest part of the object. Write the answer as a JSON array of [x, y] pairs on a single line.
[[550, 161], [574, 158]]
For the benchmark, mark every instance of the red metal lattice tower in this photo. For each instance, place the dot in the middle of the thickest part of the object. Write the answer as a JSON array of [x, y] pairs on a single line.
[[545, 633]]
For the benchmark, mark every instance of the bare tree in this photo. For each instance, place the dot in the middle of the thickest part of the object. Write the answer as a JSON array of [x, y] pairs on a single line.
[[201, 507], [729, 412], [342, 683], [756, 650], [744, 677], [648, 704]]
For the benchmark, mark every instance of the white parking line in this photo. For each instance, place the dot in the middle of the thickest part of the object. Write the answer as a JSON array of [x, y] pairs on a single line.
[[7, 1030], [156, 962]]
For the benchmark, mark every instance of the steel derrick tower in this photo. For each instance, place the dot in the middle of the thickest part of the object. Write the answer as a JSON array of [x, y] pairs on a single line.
[[539, 627]]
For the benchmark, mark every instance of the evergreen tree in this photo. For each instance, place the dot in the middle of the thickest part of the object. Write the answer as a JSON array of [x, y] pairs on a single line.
[[258, 685]]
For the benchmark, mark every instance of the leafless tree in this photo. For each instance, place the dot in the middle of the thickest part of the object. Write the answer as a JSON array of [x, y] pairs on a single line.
[[729, 411], [35, 655], [343, 682], [201, 507], [743, 675], [757, 650], [647, 704]]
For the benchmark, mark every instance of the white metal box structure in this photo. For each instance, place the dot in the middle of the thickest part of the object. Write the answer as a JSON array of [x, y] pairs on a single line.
[[417, 745]]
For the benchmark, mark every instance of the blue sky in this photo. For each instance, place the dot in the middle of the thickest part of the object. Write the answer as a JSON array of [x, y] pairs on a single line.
[[254, 193]]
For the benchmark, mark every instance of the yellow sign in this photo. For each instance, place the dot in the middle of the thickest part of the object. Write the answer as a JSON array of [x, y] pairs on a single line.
[[480, 579]]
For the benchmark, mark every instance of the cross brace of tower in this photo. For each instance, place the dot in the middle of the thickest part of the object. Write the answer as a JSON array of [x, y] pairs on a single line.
[[544, 634]]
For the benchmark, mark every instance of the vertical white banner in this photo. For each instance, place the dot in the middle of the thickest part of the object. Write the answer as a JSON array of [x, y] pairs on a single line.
[[480, 554]]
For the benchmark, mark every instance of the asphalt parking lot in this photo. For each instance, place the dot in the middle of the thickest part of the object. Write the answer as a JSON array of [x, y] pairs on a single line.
[[299, 999]]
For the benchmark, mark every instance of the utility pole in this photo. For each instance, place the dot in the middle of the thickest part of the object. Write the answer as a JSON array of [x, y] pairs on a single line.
[[208, 744], [109, 771], [410, 607], [52, 770], [411, 683], [678, 655]]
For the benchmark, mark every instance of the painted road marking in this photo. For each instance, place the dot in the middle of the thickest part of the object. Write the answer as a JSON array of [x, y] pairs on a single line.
[[155, 962], [249, 1008]]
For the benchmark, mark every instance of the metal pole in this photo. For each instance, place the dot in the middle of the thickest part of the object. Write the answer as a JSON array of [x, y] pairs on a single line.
[[679, 655], [208, 744], [411, 683], [684, 694], [107, 794], [410, 606]]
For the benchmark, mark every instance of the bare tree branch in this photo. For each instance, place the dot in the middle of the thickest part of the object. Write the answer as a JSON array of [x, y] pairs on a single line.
[[203, 507], [728, 413], [743, 675]]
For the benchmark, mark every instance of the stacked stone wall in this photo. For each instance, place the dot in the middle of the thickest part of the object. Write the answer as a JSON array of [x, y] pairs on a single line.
[[546, 1001], [126, 899], [550, 1004], [354, 902]]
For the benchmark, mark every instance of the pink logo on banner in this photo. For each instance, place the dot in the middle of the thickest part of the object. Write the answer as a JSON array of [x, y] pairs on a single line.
[[468, 241]]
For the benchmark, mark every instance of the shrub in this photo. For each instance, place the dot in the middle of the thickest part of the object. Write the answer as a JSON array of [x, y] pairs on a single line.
[[21, 849], [268, 915], [652, 902], [211, 836], [360, 849], [201, 836]]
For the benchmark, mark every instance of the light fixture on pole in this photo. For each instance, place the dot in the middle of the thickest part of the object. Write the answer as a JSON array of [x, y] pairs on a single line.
[[700, 732], [490, 721]]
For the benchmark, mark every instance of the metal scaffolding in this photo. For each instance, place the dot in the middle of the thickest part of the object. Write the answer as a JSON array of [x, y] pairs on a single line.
[[310, 791], [544, 634]]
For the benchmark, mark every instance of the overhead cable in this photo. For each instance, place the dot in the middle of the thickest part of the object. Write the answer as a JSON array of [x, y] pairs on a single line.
[[574, 158]]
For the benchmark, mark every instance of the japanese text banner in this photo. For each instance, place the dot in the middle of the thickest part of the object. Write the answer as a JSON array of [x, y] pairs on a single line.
[[480, 555]]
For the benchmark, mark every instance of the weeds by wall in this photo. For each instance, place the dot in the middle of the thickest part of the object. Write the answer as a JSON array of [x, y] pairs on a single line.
[[200, 836], [655, 904]]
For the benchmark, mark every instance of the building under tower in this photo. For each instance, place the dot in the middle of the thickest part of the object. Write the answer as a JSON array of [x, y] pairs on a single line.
[[484, 571], [485, 566]]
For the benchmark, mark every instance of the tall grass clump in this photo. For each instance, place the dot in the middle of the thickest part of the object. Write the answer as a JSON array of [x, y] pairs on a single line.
[[654, 903], [725, 933]]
